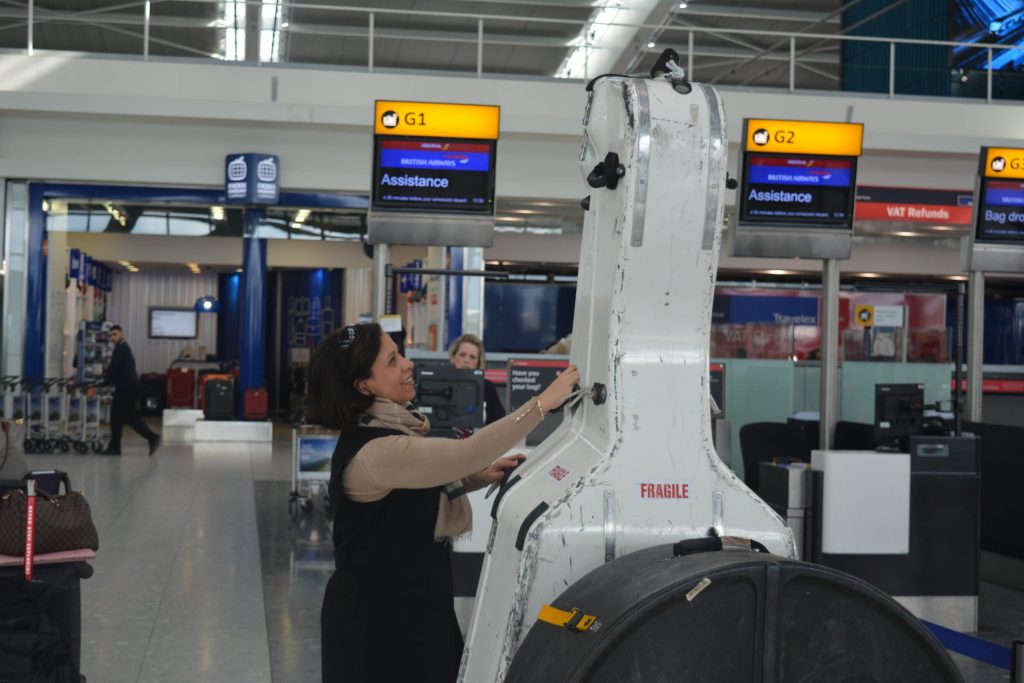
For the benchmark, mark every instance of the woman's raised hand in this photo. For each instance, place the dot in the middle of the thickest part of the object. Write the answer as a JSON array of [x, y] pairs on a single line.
[[559, 390]]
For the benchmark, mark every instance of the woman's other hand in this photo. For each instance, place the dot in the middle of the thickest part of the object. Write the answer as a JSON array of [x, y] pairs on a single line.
[[498, 468]]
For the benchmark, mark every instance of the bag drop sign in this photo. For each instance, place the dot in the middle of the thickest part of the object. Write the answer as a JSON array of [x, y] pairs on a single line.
[[252, 178], [664, 491]]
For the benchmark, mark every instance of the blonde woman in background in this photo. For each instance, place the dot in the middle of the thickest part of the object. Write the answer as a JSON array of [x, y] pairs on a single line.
[[467, 353]]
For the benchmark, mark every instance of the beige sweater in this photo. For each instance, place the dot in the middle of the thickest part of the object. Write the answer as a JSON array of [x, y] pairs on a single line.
[[416, 462]]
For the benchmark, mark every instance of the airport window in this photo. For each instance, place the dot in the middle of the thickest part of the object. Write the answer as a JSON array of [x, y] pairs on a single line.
[[100, 216]]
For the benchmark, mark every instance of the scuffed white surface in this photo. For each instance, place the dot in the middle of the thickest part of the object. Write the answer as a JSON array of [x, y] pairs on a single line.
[[642, 326]]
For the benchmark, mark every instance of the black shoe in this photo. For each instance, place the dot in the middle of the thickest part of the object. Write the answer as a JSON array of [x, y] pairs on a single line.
[[154, 444], [109, 451]]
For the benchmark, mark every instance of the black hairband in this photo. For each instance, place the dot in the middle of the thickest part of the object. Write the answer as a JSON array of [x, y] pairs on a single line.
[[347, 337]]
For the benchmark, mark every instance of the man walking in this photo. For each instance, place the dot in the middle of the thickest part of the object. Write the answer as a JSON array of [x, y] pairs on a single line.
[[125, 410]]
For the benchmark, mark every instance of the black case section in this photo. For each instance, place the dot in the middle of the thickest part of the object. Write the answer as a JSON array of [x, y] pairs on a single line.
[[761, 618]]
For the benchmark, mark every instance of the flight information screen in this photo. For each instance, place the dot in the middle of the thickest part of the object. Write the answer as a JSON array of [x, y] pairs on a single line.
[[422, 174], [792, 189], [1000, 215]]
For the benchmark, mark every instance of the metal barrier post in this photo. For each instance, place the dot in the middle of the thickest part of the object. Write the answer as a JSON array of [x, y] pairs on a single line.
[[369, 56], [792, 64], [479, 48], [892, 70], [988, 78], [145, 31], [689, 57]]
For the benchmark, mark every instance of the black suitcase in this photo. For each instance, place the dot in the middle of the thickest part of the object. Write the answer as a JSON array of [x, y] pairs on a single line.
[[219, 400], [153, 394], [44, 616]]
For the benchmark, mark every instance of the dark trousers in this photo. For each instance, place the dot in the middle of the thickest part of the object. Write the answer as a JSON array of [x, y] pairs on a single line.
[[125, 411]]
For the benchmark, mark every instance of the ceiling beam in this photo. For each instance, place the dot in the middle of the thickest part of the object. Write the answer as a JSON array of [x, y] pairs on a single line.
[[755, 14]]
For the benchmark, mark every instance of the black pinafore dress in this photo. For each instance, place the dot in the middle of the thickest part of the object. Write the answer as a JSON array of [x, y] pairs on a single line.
[[388, 612]]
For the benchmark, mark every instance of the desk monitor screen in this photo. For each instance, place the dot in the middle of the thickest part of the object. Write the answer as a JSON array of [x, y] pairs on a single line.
[[798, 189], [450, 398], [1000, 218], [899, 414]]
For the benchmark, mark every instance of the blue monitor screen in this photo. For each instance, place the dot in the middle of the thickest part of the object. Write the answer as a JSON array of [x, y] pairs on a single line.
[[420, 174], [1000, 215], [988, 22], [797, 189]]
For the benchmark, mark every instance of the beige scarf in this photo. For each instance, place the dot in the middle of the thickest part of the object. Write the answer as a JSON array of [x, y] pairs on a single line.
[[454, 514]]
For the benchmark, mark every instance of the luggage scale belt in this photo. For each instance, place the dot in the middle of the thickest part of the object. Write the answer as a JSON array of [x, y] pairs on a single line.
[[969, 646]]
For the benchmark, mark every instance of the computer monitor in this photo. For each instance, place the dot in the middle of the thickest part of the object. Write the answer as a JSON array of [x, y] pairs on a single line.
[[450, 397], [899, 414]]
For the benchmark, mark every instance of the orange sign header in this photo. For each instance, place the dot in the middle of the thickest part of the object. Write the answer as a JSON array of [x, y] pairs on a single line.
[[803, 137], [1002, 162], [435, 120]]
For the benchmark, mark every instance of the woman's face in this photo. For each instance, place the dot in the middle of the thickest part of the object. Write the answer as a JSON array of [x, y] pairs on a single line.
[[467, 356], [391, 375]]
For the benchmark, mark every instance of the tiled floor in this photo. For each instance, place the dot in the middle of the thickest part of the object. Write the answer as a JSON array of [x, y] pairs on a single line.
[[204, 575]]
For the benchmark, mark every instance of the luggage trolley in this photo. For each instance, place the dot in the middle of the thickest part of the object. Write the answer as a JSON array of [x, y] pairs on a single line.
[[12, 397], [312, 449]]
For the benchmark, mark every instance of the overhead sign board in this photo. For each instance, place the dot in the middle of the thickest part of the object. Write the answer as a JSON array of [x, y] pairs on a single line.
[[997, 241], [794, 188], [803, 137], [1002, 162], [797, 190], [433, 174], [251, 178], [433, 119], [913, 205]]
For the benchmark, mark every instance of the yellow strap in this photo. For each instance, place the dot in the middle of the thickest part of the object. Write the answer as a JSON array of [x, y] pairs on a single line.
[[574, 620]]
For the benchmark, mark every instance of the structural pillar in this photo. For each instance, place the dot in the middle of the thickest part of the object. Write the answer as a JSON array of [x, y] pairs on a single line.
[[252, 347], [381, 258], [975, 343], [35, 309], [829, 352]]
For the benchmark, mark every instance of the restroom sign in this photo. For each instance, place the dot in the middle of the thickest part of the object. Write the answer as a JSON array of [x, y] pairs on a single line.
[[878, 316], [251, 178]]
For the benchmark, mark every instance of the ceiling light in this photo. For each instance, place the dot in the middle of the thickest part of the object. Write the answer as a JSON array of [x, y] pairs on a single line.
[[285, 25], [958, 278], [867, 274], [302, 215], [906, 234], [652, 44], [239, 270], [217, 213], [683, 5], [117, 214], [776, 271]]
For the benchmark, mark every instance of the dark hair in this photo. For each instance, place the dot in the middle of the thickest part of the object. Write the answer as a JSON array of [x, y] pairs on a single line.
[[116, 327], [343, 358]]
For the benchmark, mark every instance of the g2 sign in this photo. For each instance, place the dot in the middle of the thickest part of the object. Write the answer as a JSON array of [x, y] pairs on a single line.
[[251, 178]]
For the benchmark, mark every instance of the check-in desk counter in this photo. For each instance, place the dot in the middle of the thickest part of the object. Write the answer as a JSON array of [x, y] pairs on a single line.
[[787, 488], [904, 522]]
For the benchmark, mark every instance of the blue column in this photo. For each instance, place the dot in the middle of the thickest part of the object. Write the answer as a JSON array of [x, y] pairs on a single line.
[[454, 284], [254, 298], [35, 311], [316, 288]]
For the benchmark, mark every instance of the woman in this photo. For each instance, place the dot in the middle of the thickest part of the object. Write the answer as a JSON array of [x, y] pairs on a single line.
[[399, 499], [467, 353]]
